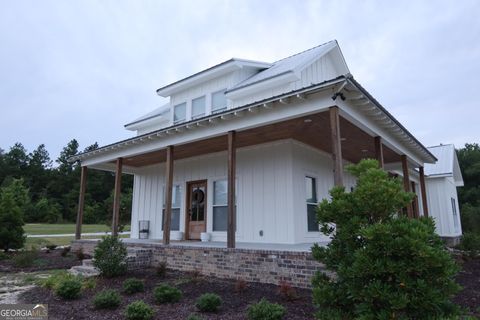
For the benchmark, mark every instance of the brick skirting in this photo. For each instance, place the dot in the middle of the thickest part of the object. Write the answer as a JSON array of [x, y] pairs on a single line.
[[264, 266]]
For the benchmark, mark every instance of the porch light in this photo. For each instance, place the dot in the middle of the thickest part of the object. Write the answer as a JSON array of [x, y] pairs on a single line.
[[307, 120]]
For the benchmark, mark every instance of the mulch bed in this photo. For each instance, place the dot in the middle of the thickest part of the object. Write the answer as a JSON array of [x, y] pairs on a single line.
[[45, 260], [469, 279], [234, 304]]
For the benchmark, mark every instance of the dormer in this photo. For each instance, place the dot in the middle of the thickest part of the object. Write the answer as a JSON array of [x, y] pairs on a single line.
[[204, 93]]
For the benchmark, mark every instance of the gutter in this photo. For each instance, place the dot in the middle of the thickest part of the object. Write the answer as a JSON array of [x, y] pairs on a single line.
[[357, 85]]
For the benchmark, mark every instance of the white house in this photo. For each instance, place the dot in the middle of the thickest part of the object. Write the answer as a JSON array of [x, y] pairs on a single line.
[[442, 179], [244, 150]]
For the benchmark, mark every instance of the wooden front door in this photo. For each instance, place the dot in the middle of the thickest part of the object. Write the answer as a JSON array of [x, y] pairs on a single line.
[[196, 209]]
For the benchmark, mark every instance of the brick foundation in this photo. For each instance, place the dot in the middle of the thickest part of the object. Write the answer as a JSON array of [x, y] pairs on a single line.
[[264, 266]]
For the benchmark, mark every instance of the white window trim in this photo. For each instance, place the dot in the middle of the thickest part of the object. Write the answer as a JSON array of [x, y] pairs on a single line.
[[313, 176], [180, 207], [173, 113], [204, 107], [213, 111], [211, 185]]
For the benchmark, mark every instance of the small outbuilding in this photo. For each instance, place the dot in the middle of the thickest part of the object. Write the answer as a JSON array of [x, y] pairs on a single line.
[[442, 179]]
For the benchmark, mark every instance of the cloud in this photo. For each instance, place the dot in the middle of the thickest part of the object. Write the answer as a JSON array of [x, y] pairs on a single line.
[[83, 69]]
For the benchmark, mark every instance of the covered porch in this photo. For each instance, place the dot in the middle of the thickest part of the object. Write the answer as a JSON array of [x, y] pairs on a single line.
[[309, 118]]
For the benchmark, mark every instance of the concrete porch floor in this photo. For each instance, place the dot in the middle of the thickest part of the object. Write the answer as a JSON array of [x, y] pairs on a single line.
[[299, 247]]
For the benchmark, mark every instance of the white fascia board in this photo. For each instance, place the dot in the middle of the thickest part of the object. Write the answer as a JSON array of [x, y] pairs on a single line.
[[155, 120], [316, 103], [263, 85], [199, 78], [112, 168], [354, 115]]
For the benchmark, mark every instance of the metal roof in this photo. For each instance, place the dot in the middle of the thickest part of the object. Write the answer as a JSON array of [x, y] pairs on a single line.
[[445, 164], [289, 64], [152, 114]]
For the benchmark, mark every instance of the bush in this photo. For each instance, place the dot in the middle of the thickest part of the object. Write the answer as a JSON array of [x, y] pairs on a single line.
[[51, 246], [132, 285], [11, 215], [69, 288], [166, 293], [209, 302], [109, 257], [265, 310], [194, 317], [470, 243], [162, 269], [52, 281], [387, 266], [25, 258], [107, 299], [4, 256], [89, 283], [138, 310]]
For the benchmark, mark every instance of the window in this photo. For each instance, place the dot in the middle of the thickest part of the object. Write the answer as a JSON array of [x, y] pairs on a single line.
[[180, 112], [198, 107], [176, 199], [311, 195], [220, 205], [219, 101], [454, 211]]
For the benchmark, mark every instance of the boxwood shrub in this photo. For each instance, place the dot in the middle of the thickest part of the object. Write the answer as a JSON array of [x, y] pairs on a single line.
[[139, 310], [209, 302], [107, 299], [165, 294], [133, 285], [265, 310], [69, 288]]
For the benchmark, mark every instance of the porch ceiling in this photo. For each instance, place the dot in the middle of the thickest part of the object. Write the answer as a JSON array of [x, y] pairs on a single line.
[[313, 130]]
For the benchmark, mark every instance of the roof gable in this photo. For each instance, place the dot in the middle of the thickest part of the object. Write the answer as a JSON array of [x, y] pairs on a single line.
[[295, 64], [447, 164]]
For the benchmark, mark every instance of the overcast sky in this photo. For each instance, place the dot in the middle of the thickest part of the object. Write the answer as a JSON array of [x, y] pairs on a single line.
[[82, 69]]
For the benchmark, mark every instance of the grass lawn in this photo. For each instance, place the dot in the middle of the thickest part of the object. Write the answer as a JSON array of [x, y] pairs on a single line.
[[45, 228], [59, 241]]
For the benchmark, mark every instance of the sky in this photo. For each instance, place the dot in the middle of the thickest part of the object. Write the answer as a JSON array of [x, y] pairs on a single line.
[[83, 69]]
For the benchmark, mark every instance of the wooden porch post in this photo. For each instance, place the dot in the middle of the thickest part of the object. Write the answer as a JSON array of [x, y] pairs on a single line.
[[424, 192], [336, 146], [231, 190], [416, 209], [81, 202], [168, 195], [116, 197], [379, 151], [406, 183]]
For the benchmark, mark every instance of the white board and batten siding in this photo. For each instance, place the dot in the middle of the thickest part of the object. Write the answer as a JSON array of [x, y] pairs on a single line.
[[442, 208], [271, 195]]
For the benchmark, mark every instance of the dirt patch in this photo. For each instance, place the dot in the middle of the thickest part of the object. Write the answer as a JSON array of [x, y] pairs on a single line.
[[45, 260], [469, 279], [234, 305]]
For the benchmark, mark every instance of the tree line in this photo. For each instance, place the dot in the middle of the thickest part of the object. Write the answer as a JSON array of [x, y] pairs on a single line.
[[469, 194], [47, 191]]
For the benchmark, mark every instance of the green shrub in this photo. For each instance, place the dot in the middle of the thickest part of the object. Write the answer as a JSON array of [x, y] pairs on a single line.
[[387, 266], [107, 299], [25, 258], [4, 256], [166, 293], [51, 246], [69, 288], [265, 310], [138, 310], [110, 257], [132, 285], [470, 243], [14, 199], [209, 302], [89, 283], [194, 317]]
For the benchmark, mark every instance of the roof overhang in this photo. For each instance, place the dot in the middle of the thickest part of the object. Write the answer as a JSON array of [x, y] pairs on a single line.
[[210, 73], [396, 136]]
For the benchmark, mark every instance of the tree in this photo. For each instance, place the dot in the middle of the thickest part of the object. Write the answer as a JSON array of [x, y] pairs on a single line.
[[387, 266], [469, 194], [12, 199], [38, 172]]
